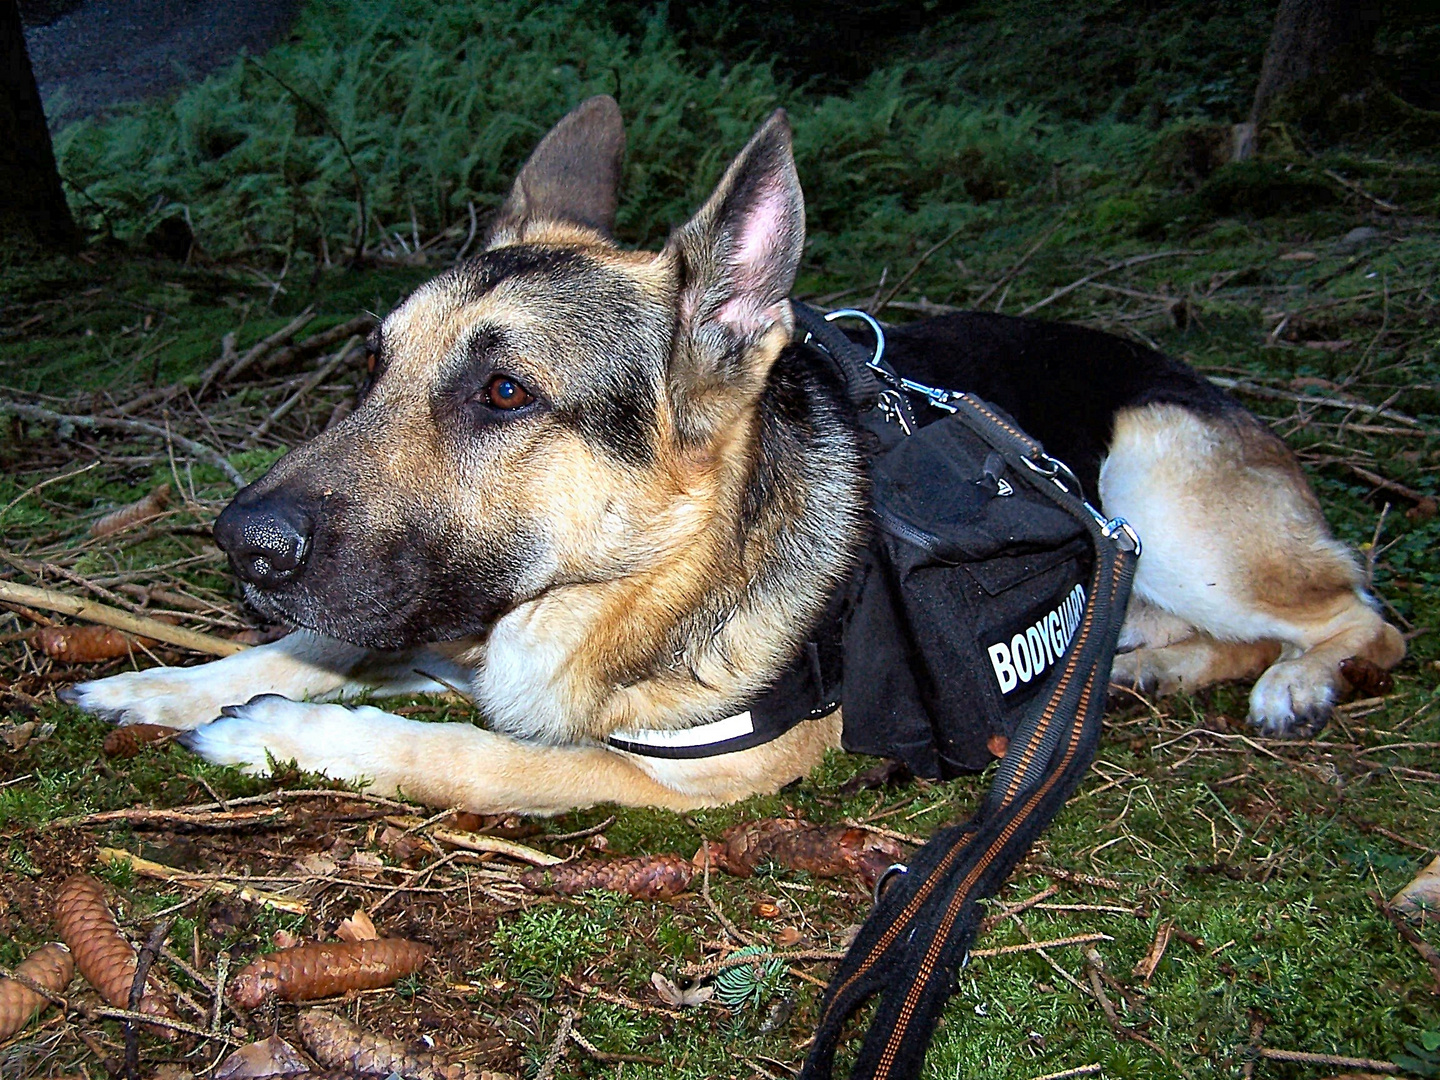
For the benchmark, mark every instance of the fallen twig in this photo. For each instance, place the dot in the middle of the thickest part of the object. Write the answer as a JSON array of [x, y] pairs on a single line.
[[1427, 952], [1349, 404], [1134, 260], [700, 971], [319, 376], [90, 611], [1035, 946], [480, 842], [255, 352], [114, 423], [161, 872], [557, 1048], [1299, 1057]]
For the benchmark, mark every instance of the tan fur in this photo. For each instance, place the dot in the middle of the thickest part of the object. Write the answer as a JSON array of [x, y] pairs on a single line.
[[1239, 571]]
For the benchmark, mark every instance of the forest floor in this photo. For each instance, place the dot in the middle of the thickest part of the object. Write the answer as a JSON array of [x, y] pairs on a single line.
[[1259, 860]]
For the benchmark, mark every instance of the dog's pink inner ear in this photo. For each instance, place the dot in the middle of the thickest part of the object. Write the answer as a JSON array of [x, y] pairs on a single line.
[[759, 272]]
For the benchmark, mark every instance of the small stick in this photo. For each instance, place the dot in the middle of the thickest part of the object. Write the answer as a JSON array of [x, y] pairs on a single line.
[[696, 971], [324, 372], [470, 841], [146, 868], [256, 351], [1350, 185], [90, 611], [611, 1059], [158, 1021], [1066, 1074], [1427, 951], [580, 834], [137, 992], [1071, 876], [729, 927], [991, 921], [222, 971], [96, 423], [1134, 260], [895, 289], [557, 1048], [1299, 1057], [1035, 946], [1005, 278]]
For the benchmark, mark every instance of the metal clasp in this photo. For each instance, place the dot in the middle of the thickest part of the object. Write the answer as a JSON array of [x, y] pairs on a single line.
[[1120, 527], [890, 871], [870, 321]]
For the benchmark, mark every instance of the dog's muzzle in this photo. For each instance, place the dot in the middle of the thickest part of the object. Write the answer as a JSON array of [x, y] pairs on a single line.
[[267, 538]]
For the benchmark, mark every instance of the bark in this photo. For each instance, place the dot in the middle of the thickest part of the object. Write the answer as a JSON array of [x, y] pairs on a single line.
[[33, 210], [1318, 48]]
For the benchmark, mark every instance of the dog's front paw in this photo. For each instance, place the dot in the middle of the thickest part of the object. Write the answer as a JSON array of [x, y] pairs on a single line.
[[1292, 700], [174, 697], [341, 741]]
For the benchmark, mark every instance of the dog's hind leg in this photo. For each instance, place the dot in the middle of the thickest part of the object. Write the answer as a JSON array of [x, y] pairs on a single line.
[[299, 665], [1240, 573]]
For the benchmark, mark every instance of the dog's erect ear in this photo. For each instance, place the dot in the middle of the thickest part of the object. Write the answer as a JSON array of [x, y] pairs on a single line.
[[737, 260], [573, 176]]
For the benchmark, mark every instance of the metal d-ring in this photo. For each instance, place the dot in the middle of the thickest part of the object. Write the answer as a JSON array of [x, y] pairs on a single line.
[[870, 321], [890, 871]]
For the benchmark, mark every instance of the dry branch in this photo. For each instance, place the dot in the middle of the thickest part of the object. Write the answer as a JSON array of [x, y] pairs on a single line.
[[137, 427], [50, 600], [161, 872]]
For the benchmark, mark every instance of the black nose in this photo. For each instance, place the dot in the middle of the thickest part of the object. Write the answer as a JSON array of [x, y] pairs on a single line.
[[267, 538]]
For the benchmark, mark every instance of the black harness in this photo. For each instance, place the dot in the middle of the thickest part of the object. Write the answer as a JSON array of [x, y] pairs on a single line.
[[987, 602]]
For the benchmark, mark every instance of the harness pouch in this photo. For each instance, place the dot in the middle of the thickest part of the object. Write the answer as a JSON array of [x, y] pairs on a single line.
[[963, 604]]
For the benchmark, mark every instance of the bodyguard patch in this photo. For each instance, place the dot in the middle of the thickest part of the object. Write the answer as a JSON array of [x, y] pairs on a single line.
[[1033, 651]]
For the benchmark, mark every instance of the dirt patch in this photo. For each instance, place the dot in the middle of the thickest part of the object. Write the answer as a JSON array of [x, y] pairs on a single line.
[[106, 52]]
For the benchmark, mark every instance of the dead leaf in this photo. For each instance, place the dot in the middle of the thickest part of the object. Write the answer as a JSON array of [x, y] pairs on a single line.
[[357, 927], [787, 937], [398, 843], [270, 1057], [1299, 256], [366, 862], [17, 736], [1151, 960], [766, 909], [317, 863], [284, 939], [1422, 896], [677, 998]]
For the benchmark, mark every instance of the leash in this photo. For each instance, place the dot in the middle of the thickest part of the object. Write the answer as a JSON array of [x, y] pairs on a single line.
[[917, 939]]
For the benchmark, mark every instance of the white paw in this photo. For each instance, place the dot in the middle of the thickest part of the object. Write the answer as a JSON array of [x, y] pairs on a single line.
[[1291, 698], [175, 697], [340, 741]]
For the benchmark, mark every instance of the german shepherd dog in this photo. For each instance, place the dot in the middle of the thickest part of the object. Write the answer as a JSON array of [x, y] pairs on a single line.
[[600, 491]]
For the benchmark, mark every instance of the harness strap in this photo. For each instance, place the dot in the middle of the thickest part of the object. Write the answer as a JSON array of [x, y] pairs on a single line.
[[850, 361], [914, 943]]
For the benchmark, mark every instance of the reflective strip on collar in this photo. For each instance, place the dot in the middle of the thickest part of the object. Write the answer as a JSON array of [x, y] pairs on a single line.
[[702, 735]]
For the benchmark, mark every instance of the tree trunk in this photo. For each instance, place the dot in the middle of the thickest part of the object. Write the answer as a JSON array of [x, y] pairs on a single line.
[[1318, 48], [33, 211]]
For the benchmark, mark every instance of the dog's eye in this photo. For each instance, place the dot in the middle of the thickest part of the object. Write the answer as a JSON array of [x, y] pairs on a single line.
[[503, 392]]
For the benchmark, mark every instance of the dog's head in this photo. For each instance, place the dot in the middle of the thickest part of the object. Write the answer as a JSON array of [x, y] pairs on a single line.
[[554, 411]]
